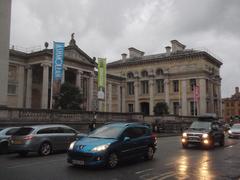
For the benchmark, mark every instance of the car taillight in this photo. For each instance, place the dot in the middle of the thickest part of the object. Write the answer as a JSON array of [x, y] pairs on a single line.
[[154, 137], [29, 137]]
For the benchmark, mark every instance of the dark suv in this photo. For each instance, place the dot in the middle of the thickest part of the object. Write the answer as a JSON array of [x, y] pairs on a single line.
[[112, 143], [206, 131]]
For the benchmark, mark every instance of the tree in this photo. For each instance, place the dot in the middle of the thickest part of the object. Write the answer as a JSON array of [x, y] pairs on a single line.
[[161, 109], [69, 98]]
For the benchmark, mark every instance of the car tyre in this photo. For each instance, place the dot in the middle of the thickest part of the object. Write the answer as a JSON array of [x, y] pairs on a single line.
[[222, 142], [185, 146], [45, 149], [112, 160], [150, 153]]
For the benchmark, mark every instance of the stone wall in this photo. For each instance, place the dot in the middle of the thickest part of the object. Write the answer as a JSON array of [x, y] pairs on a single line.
[[77, 119]]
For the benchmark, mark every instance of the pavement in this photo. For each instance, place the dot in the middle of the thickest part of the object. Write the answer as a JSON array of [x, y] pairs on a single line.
[[171, 162]]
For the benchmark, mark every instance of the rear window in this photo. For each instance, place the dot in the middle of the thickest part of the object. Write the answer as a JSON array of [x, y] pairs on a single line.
[[11, 131], [23, 131]]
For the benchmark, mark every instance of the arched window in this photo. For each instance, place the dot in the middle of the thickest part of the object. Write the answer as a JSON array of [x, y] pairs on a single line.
[[159, 72], [130, 75], [144, 73]]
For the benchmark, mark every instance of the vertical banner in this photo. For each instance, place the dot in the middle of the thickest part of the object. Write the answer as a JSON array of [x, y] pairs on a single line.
[[101, 78], [57, 68]]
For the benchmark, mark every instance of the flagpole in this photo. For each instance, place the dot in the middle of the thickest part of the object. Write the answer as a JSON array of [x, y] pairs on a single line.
[[51, 97]]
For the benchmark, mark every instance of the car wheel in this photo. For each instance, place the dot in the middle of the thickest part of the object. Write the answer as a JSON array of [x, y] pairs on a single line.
[[112, 160], [150, 153], [185, 146], [23, 153], [222, 142], [45, 149]]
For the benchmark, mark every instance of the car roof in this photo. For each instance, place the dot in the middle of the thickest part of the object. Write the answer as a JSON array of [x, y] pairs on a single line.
[[127, 124], [45, 126]]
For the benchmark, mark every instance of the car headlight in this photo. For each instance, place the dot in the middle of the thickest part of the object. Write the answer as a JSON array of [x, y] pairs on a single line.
[[72, 145], [205, 135], [230, 132], [100, 148], [184, 134]]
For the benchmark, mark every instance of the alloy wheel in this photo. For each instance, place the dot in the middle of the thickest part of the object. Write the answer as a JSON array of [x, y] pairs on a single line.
[[45, 149], [112, 160]]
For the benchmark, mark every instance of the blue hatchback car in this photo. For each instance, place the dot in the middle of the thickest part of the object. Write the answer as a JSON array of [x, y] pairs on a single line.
[[111, 143]]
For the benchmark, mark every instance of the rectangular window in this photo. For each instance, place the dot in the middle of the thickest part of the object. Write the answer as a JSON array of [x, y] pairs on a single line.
[[175, 86], [144, 85], [192, 106], [12, 89], [160, 85], [192, 84], [130, 86], [130, 107], [176, 108]]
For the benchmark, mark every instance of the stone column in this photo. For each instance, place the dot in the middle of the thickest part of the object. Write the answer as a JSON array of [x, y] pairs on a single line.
[[119, 98], [5, 19], [219, 100], [184, 98], [45, 83], [109, 97], [90, 98], [78, 79], [202, 109], [63, 75], [21, 73], [29, 88], [151, 96], [123, 99], [166, 84], [136, 95]]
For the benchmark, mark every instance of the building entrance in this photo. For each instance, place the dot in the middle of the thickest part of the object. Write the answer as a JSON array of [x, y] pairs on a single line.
[[145, 108]]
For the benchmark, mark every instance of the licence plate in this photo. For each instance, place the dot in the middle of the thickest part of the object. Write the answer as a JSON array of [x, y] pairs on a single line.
[[78, 162], [16, 142]]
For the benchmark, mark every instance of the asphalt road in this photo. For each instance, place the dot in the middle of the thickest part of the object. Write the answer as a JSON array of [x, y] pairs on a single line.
[[170, 162]]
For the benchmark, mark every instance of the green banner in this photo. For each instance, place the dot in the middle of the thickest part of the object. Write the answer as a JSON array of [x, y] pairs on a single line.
[[101, 78]]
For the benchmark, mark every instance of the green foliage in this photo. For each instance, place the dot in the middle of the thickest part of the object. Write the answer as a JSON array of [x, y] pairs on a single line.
[[161, 109], [69, 98]]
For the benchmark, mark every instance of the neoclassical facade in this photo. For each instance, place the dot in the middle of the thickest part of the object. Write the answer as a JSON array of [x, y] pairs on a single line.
[[29, 79], [170, 77]]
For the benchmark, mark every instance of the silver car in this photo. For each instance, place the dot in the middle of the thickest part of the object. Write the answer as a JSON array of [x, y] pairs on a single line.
[[43, 139], [5, 134], [234, 131]]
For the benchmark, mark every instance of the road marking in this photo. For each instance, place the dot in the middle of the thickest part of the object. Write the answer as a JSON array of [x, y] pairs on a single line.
[[169, 164], [143, 171], [162, 175], [35, 163], [168, 176]]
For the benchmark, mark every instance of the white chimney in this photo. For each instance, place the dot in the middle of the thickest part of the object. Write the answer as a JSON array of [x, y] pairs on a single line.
[[124, 57], [168, 49], [133, 52], [177, 46]]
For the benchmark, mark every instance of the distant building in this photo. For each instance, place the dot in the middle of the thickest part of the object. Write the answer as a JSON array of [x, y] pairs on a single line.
[[170, 77], [231, 106]]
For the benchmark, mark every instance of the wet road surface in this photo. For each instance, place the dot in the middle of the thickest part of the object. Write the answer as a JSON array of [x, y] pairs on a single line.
[[170, 162]]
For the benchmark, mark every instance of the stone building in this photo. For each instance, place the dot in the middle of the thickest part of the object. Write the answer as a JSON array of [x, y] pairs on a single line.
[[231, 106], [29, 79], [170, 77]]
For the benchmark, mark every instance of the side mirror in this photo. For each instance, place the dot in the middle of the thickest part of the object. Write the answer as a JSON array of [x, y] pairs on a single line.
[[126, 139]]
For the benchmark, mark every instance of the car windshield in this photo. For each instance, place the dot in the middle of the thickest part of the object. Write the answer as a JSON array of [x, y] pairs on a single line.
[[23, 131], [200, 125], [108, 132], [236, 126]]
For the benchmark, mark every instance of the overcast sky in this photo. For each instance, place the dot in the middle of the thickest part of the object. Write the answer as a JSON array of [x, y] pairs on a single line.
[[107, 28]]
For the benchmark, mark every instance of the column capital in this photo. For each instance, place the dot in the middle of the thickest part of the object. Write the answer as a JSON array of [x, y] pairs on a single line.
[[45, 64]]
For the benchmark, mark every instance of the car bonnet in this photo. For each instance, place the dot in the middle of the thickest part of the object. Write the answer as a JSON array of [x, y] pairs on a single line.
[[86, 144]]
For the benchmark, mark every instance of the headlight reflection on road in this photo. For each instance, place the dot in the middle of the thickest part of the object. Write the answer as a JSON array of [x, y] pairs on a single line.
[[203, 169], [182, 166]]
